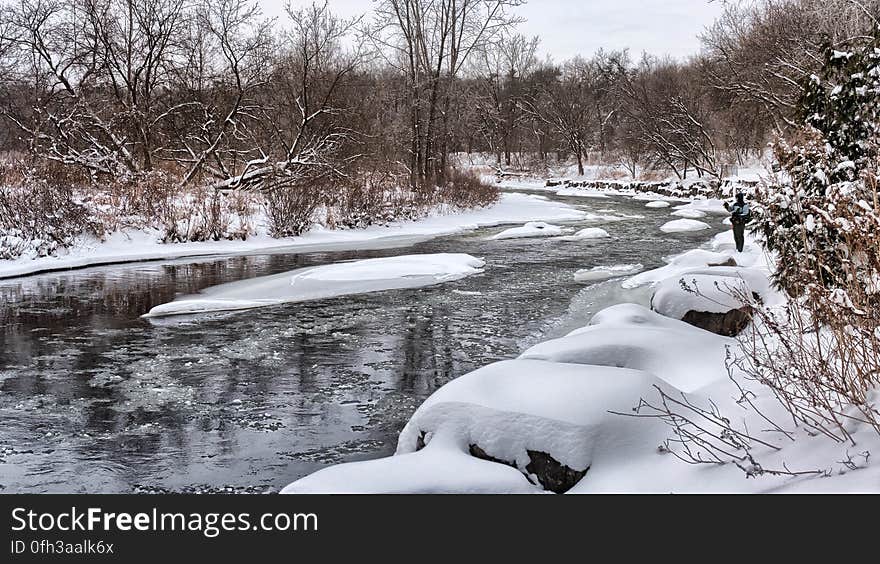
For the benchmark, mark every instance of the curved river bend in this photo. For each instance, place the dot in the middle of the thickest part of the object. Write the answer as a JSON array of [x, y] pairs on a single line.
[[95, 399]]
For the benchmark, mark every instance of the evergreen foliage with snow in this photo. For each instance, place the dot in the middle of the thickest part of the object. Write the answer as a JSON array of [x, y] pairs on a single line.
[[822, 219]]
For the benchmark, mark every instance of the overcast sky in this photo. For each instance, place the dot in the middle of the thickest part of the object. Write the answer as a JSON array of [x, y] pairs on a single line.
[[570, 27]]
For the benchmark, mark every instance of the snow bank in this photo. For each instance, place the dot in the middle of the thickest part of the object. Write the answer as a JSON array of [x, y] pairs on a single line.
[[134, 246], [599, 273], [531, 229], [684, 226], [327, 281], [588, 233], [658, 204]]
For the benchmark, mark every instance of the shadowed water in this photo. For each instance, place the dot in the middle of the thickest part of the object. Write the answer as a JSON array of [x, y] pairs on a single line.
[[94, 398]]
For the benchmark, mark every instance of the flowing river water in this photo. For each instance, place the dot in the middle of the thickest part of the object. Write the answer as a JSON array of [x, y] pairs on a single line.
[[95, 399]]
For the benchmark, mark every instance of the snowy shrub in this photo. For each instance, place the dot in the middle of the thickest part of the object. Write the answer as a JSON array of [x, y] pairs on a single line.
[[291, 209], [156, 200], [819, 218], [39, 218]]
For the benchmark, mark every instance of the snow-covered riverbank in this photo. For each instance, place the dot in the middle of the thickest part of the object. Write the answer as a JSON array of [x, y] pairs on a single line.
[[135, 246], [556, 418]]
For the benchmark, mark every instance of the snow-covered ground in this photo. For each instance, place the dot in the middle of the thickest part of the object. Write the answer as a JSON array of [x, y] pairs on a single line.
[[136, 246], [327, 281], [571, 401]]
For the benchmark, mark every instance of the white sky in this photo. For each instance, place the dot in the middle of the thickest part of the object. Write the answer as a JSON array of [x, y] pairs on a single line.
[[571, 27]]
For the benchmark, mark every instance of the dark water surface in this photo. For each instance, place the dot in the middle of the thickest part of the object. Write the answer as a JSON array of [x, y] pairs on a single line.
[[94, 398]]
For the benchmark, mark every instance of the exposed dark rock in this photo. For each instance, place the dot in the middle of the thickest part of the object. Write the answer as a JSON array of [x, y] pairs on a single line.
[[728, 324], [728, 262], [552, 474]]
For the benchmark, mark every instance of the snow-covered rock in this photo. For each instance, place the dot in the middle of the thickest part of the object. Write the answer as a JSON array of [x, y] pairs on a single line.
[[680, 264], [631, 336], [658, 204], [684, 225], [532, 229], [508, 410], [588, 233], [718, 304], [599, 273], [709, 205], [689, 214], [327, 281]]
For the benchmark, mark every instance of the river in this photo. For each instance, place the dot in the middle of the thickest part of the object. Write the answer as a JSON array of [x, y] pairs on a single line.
[[95, 399]]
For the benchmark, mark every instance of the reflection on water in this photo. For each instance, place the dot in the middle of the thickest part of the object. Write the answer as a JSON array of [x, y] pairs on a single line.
[[93, 398]]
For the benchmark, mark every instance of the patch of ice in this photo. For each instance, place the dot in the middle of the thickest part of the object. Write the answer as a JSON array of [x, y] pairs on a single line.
[[599, 273]]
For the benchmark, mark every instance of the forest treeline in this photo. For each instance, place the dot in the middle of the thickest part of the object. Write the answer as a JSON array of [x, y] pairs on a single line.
[[211, 95], [221, 95]]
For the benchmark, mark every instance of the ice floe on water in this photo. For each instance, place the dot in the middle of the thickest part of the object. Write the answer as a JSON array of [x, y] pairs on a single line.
[[327, 281], [599, 273], [684, 226], [532, 229]]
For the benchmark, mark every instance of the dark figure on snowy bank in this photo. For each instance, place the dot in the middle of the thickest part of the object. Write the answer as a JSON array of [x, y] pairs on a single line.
[[739, 217]]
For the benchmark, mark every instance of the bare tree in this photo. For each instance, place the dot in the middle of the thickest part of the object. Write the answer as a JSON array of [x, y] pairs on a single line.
[[500, 71], [429, 42]]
